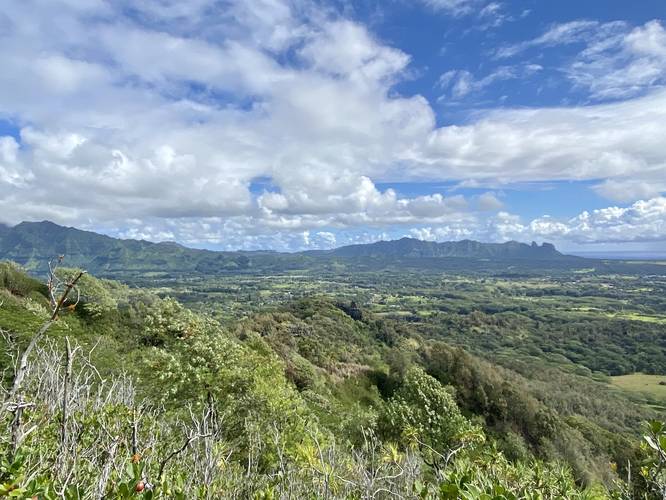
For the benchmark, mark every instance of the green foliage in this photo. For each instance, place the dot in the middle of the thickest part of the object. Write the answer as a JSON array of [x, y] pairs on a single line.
[[315, 398], [168, 321], [15, 281], [423, 412], [97, 297], [490, 476], [653, 467]]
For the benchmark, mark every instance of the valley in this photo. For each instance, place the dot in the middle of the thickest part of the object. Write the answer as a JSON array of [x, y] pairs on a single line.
[[601, 323], [537, 360]]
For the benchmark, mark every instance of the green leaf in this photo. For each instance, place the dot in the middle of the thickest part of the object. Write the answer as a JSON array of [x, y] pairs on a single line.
[[656, 426]]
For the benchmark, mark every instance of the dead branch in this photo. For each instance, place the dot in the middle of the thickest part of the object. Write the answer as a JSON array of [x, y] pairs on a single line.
[[16, 434], [191, 438], [69, 360], [23, 362], [106, 471]]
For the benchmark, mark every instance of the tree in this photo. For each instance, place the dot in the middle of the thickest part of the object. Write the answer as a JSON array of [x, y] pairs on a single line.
[[424, 414]]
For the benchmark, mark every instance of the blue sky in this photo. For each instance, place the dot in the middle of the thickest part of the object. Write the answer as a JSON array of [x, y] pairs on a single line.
[[439, 43], [294, 124]]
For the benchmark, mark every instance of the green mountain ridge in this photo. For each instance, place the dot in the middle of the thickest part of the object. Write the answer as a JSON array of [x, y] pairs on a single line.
[[413, 248], [33, 244]]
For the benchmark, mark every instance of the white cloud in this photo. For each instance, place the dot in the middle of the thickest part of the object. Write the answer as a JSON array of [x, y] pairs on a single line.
[[146, 141], [623, 65], [10, 170], [493, 15], [643, 221], [562, 34], [346, 49], [460, 83], [453, 7], [349, 201], [488, 14], [489, 202], [629, 189], [617, 141], [168, 116], [617, 61], [443, 233], [326, 239]]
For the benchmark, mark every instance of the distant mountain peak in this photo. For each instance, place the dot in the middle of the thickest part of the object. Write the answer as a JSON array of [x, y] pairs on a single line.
[[413, 248], [42, 223], [170, 244]]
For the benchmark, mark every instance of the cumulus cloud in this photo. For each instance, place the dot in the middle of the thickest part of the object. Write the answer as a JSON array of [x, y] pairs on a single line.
[[643, 221], [168, 116], [488, 202], [10, 172], [442, 233], [349, 201], [150, 135], [618, 141]]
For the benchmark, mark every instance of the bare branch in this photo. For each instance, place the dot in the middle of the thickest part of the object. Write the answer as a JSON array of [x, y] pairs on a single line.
[[23, 362], [178, 451]]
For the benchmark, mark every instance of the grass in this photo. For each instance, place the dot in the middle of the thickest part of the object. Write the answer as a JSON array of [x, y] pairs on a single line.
[[626, 315], [642, 383], [634, 316]]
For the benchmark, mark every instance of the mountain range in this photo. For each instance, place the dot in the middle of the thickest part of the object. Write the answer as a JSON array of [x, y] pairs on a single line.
[[33, 244], [413, 248]]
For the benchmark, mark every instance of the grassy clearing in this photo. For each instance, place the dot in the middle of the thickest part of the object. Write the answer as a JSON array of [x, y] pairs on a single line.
[[626, 315], [642, 383], [634, 316]]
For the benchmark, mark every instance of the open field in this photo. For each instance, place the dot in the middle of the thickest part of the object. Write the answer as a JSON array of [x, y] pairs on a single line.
[[650, 385]]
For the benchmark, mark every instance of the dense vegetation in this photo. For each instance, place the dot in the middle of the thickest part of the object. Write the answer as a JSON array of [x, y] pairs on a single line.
[[132, 394], [588, 322], [401, 369]]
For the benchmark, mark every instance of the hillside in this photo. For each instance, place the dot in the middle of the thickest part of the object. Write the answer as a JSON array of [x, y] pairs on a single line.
[[33, 244], [308, 399]]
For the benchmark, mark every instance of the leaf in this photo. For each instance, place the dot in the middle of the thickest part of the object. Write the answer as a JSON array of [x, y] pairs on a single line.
[[656, 427], [651, 443]]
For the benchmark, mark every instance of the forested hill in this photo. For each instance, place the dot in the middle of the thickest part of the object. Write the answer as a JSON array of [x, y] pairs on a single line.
[[33, 244], [413, 248]]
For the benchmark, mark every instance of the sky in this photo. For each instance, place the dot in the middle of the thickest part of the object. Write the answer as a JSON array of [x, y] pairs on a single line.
[[302, 124]]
